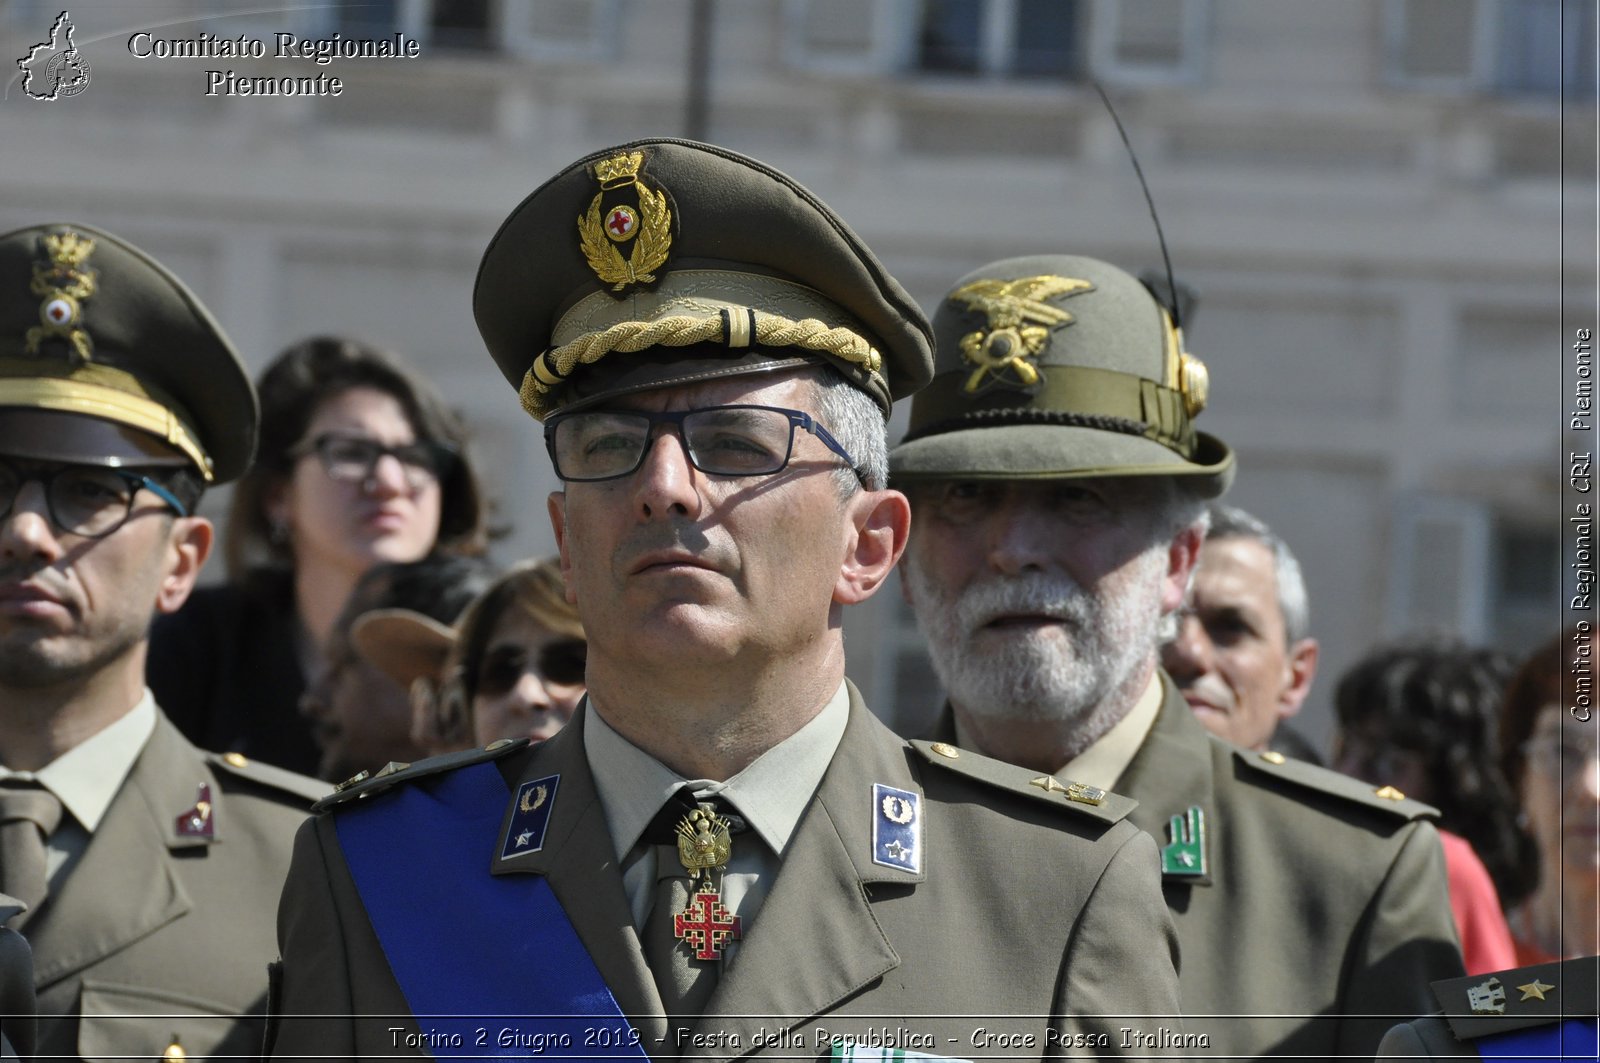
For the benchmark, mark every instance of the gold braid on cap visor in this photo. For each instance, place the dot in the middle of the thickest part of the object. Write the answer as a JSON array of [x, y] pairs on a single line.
[[103, 391], [733, 327]]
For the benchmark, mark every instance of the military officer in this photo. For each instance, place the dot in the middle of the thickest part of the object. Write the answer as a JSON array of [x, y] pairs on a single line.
[[1542, 1011], [724, 853], [1058, 487], [148, 866]]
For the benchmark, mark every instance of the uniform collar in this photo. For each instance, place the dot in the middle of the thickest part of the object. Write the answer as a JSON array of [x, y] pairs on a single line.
[[771, 793], [1103, 763], [87, 776]]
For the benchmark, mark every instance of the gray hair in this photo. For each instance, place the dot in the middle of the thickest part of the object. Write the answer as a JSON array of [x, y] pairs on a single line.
[[1231, 522], [854, 419]]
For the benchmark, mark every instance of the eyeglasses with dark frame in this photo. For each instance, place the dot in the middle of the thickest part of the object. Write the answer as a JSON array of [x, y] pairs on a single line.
[[736, 440], [90, 501], [354, 459]]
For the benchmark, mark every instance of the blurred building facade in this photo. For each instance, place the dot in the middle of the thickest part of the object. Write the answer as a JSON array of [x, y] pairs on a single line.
[[1387, 207]]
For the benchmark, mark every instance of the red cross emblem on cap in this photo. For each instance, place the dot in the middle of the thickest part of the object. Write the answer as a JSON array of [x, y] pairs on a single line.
[[621, 222]]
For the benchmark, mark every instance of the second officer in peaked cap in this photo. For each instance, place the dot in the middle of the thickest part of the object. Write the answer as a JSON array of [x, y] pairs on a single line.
[[724, 853], [148, 866]]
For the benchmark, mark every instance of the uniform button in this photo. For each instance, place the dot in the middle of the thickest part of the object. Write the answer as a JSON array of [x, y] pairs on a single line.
[[237, 760], [945, 750], [1272, 756]]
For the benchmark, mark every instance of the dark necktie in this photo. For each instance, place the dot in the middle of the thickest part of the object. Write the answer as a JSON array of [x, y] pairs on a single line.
[[685, 980], [28, 815]]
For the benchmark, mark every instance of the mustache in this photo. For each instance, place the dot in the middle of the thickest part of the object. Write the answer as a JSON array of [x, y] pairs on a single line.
[[28, 571], [652, 538], [1055, 595]]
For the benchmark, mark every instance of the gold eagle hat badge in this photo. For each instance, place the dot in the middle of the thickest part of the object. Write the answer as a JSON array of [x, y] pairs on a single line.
[[1020, 321]]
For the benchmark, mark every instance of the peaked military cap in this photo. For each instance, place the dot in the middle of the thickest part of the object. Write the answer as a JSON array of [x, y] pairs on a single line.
[[1059, 366], [96, 332], [665, 262]]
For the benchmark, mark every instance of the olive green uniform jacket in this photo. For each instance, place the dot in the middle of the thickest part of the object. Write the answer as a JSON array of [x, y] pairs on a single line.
[[158, 919], [1026, 905], [1322, 904]]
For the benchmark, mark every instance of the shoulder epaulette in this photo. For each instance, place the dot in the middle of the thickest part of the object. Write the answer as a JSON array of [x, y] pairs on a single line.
[[1538, 995], [1078, 797], [395, 773], [268, 775], [1297, 772]]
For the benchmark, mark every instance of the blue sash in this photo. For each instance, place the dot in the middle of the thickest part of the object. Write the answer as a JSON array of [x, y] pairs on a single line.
[[1570, 1039], [490, 965]]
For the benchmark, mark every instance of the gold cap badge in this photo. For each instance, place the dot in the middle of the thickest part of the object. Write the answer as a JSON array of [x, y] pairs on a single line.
[[612, 224], [65, 281], [1020, 321]]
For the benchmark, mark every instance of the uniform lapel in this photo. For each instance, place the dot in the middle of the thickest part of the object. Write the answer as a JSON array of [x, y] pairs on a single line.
[[815, 941], [580, 863], [1172, 772], [125, 885]]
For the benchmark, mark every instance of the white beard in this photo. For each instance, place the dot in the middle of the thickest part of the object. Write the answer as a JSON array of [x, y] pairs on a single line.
[[1068, 674]]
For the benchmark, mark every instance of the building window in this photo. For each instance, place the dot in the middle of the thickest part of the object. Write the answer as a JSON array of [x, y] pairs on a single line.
[[436, 24], [1511, 47], [1547, 48], [1000, 38]]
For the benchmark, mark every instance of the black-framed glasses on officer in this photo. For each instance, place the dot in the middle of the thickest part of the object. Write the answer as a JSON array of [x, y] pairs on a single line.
[[734, 440], [354, 459], [90, 501]]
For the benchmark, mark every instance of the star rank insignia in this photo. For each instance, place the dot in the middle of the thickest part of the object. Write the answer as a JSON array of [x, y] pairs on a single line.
[[530, 815], [1535, 990], [896, 828]]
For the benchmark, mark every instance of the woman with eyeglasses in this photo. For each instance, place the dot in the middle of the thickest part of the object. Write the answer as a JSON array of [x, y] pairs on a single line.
[[359, 462], [512, 667], [1549, 751]]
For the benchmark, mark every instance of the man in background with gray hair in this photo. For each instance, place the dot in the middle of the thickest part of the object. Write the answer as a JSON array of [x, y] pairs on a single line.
[[1242, 656]]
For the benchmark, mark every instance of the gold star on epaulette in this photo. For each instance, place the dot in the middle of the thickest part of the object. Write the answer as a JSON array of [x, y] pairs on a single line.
[[1534, 990]]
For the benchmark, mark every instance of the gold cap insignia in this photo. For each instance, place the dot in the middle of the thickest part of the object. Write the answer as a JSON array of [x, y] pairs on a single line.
[[613, 224], [64, 280], [1020, 321]]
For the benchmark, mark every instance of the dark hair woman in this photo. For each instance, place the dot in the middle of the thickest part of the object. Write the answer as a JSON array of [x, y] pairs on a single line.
[[360, 462], [1549, 750], [1421, 716]]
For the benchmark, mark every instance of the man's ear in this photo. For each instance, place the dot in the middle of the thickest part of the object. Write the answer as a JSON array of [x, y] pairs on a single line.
[[1302, 668], [879, 525], [556, 504], [189, 542], [1183, 553]]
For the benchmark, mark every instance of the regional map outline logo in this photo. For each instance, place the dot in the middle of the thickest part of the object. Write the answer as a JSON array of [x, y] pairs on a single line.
[[55, 68]]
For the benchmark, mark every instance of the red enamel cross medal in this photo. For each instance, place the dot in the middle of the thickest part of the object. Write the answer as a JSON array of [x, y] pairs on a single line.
[[704, 845]]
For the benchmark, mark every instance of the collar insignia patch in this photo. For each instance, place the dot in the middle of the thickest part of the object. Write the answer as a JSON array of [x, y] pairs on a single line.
[[530, 817]]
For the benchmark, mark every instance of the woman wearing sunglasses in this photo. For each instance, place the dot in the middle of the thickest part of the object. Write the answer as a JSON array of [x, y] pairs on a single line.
[[512, 667], [359, 463]]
